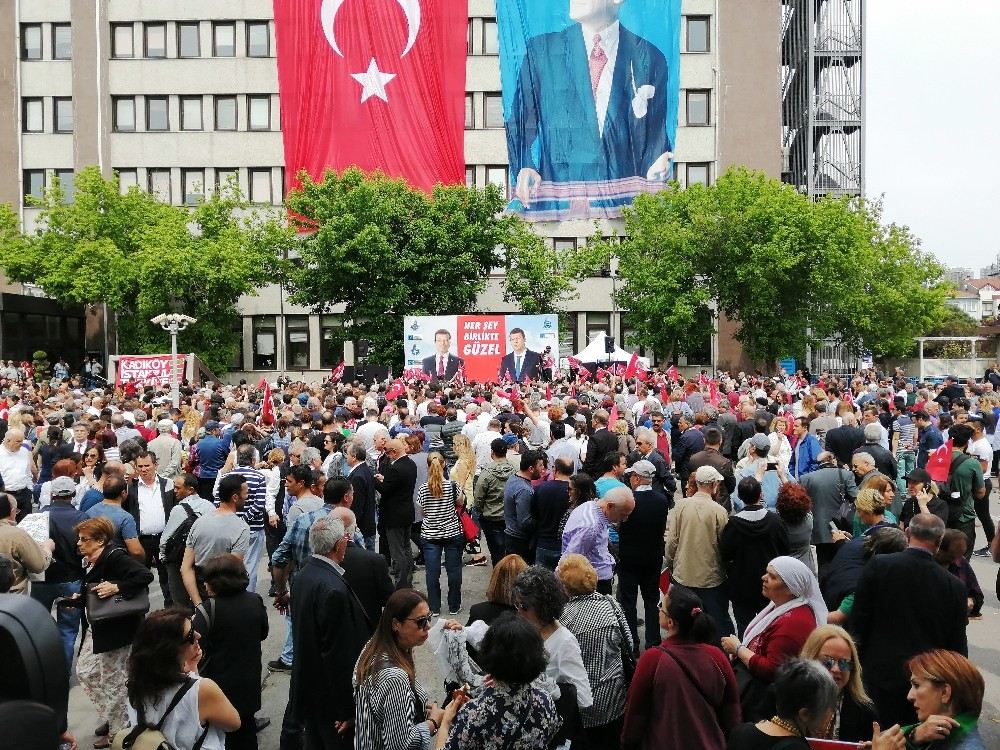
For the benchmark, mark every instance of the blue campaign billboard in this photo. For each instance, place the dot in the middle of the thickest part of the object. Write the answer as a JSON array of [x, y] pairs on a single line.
[[590, 95]]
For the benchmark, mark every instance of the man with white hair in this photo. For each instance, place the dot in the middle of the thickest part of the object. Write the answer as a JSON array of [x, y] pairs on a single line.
[[167, 449], [587, 531], [17, 470]]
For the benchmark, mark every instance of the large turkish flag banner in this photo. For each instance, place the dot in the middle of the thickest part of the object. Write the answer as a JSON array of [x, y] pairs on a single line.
[[377, 84]]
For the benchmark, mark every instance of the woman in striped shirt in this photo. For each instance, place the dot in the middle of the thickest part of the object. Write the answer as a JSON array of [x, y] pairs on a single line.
[[392, 711], [441, 534]]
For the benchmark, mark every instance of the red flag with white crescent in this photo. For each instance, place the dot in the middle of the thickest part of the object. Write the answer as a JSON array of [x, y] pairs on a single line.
[[672, 373], [548, 391], [396, 390], [267, 403], [377, 85], [939, 462], [633, 365], [338, 372], [4, 409]]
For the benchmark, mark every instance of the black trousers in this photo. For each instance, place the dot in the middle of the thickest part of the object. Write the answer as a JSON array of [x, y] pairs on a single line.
[[24, 498], [205, 487], [151, 546], [633, 581], [244, 738], [983, 513], [322, 735], [515, 546]]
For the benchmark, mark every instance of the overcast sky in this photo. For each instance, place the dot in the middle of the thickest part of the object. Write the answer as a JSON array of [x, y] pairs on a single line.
[[933, 98]]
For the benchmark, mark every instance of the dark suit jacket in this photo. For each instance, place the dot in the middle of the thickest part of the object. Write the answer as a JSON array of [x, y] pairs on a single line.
[[396, 505], [843, 441], [641, 535], [363, 506], [451, 365], [663, 480], [721, 464], [601, 443], [329, 631], [894, 619], [368, 574], [884, 461], [531, 366], [554, 105], [131, 503]]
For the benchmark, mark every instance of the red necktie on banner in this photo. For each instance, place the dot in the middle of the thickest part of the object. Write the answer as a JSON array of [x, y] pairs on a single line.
[[440, 367], [374, 85]]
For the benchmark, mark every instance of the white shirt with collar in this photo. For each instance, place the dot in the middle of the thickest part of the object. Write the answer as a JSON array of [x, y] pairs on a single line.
[[15, 468], [152, 519], [609, 43]]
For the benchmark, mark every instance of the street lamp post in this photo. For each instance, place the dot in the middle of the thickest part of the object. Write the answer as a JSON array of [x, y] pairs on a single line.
[[173, 323]]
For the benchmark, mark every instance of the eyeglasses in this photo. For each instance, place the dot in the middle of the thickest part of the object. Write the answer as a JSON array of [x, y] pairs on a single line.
[[424, 623], [190, 637], [86, 538], [845, 665]]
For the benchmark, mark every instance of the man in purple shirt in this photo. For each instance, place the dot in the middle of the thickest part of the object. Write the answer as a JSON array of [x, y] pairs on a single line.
[[586, 532]]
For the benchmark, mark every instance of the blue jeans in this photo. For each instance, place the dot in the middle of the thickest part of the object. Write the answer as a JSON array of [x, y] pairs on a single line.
[[252, 560], [906, 461], [67, 618], [370, 543], [288, 651], [716, 603], [452, 550], [547, 558]]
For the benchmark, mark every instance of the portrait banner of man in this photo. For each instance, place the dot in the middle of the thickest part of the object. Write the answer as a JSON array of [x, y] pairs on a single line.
[[590, 93]]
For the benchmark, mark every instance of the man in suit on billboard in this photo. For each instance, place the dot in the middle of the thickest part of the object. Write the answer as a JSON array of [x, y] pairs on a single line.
[[521, 363], [442, 364], [594, 97]]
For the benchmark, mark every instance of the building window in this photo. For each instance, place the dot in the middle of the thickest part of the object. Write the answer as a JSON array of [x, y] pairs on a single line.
[[331, 352], [124, 114], [493, 110], [62, 41], [127, 179], [191, 113], [194, 185], [260, 185], [158, 181], [157, 117], [34, 184], [498, 176], [225, 113], [560, 244], [567, 334], [468, 46], [65, 177], [122, 40], [62, 109], [297, 342], [470, 117], [491, 40], [470, 176], [259, 112], [224, 39], [31, 41], [698, 34], [189, 39], [697, 174], [265, 342], [698, 107], [224, 174], [598, 323], [236, 363], [32, 114], [258, 39], [154, 40]]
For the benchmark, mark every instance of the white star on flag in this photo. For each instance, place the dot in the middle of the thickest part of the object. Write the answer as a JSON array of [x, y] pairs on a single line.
[[373, 82]]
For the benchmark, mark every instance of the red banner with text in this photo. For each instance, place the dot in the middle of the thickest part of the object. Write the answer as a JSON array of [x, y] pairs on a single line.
[[377, 84], [481, 343], [148, 369]]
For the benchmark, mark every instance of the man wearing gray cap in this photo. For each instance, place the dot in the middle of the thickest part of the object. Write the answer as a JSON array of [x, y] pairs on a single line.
[[640, 545], [167, 449], [693, 533]]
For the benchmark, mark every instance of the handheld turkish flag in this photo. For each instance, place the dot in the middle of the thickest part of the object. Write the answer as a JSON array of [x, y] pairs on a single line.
[[548, 391], [4, 410], [506, 376], [396, 390], [633, 366], [613, 416], [713, 392], [377, 85], [672, 373], [338, 372], [267, 405], [939, 462]]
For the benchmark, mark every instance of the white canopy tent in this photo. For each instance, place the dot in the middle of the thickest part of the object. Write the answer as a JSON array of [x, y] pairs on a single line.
[[594, 353]]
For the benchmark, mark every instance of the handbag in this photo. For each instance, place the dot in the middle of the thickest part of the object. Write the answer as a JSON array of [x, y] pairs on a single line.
[[628, 657], [116, 606], [751, 690], [469, 528], [844, 517]]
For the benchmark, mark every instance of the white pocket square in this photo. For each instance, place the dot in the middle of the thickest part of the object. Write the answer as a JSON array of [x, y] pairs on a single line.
[[640, 102]]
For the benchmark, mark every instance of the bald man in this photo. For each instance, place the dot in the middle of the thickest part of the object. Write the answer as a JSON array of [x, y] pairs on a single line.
[[586, 532]]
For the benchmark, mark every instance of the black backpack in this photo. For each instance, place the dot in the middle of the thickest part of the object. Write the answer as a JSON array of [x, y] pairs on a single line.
[[173, 550], [945, 488]]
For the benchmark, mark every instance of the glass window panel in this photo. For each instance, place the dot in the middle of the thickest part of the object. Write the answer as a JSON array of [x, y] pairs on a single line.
[[66, 183], [225, 113], [564, 243], [62, 41], [34, 183], [224, 39], [297, 342], [156, 113], [697, 108], [31, 41], [265, 342], [127, 178], [63, 115], [223, 175], [470, 177], [331, 351], [470, 119], [498, 176], [259, 112], [260, 186], [124, 114], [122, 40], [494, 110], [33, 115], [159, 183], [697, 34], [155, 39], [697, 174], [189, 40], [491, 40], [194, 185], [258, 39], [191, 113]]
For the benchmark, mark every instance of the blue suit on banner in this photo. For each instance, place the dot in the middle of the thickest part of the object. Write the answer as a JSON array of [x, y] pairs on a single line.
[[555, 104]]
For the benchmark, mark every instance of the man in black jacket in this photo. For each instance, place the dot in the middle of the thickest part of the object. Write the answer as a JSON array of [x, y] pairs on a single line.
[[147, 494], [905, 604], [363, 482], [396, 508], [646, 450], [641, 551], [329, 631], [366, 572], [844, 440], [601, 443]]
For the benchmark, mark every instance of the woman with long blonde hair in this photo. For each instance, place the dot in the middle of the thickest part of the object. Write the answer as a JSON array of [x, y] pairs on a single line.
[[833, 647], [464, 474], [441, 534]]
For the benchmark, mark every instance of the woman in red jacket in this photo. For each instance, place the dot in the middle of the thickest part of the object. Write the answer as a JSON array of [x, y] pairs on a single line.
[[684, 692], [780, 630]]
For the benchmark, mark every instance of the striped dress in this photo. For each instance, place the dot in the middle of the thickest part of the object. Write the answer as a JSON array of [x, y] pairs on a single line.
[[384, 718]]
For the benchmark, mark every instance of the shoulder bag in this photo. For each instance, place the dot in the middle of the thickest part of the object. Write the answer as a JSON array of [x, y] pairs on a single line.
[[628, 656], [116, 606], [145, 736], [469, 528], [845, 510]]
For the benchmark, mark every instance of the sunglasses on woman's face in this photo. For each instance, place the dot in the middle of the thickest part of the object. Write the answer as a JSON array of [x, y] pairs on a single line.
[[424, 623], [846, 665], [190, 637]]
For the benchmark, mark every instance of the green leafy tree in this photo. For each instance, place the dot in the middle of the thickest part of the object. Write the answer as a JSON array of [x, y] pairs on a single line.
[[383, 250], [143, 257]]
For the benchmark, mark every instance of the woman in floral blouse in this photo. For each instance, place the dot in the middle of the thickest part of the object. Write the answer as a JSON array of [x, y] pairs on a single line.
[[509, 713]]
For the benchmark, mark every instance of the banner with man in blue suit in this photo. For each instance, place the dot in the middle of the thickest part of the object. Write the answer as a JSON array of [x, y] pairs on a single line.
[[590, 92]]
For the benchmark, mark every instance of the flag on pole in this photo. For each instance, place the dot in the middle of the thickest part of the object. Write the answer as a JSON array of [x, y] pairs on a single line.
[[338, 372], [459, 378], [267, 405], [506, 376], [396, 390], [939, 462], [672, 373], [633, 365]]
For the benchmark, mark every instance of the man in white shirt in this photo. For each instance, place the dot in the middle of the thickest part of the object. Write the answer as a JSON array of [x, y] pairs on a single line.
[[150, 499], [167, 449], [17, 470], [981, 448], [367, 431], [481, 444]]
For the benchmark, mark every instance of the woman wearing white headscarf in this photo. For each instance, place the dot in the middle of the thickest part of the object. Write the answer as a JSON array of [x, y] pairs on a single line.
[[779, 631]]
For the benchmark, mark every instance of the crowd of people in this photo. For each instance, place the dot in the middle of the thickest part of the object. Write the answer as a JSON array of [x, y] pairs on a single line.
[[802, 573]]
